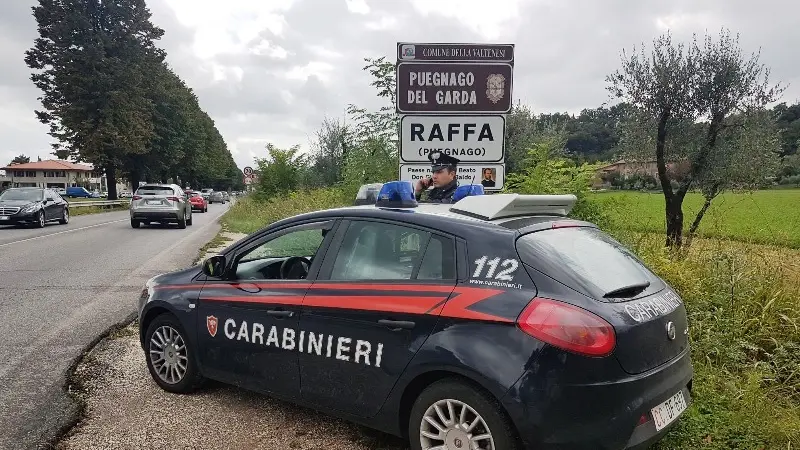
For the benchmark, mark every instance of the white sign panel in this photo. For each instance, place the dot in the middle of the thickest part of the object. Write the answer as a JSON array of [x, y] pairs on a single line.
[[468, 138], [491, 176]]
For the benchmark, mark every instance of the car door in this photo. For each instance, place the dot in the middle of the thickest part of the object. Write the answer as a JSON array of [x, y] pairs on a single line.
[[248, 322], [376, 300], [52, 209]]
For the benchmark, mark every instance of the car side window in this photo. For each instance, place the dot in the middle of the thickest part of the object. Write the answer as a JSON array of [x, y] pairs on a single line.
[[379, 251], [266, 261], [439, 261]]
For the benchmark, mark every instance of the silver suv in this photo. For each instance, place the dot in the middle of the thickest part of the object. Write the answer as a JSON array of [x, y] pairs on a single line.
[[162, 203]]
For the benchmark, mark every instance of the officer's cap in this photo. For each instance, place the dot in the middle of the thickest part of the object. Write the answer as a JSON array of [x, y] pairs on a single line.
[[441, 160]]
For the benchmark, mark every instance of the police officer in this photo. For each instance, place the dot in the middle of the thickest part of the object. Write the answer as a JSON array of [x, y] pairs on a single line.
[[444, 180]]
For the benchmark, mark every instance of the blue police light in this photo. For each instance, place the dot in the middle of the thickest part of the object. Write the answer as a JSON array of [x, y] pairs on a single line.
[[467, 190], [397, 194]]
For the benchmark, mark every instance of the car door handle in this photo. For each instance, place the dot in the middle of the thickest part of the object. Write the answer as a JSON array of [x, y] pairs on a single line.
[[279, 313], [397, 325]]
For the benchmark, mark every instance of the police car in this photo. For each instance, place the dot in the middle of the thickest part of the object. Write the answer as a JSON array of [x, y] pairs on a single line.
[[494, 322]]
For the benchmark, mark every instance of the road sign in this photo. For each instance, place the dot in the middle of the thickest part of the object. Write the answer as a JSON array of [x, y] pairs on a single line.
[[407, 51], [471, 173], [248, 171], [468, 138], [442, 87]]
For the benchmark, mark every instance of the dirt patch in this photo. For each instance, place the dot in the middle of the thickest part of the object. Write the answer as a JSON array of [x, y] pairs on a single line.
[[126, 409]]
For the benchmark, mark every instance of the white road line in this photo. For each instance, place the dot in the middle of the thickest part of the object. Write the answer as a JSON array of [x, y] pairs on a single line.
[[88, 226], [62, 232]]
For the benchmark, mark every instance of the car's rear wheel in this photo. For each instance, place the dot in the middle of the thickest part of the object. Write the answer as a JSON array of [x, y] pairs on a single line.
[[182, 221], [171, 356], [451, 414], [64, 217], [189, 220], [135, 223]]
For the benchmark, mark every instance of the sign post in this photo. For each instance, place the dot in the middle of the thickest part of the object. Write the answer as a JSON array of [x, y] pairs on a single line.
[[453, 98]]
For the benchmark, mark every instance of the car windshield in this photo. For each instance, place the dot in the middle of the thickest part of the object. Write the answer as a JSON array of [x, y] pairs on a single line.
[[155, 190], [29, 195]]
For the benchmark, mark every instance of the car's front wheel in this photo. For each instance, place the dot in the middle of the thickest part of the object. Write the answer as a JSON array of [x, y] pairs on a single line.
[[40, 222], [170, 356], [64, 217], [454, 414]]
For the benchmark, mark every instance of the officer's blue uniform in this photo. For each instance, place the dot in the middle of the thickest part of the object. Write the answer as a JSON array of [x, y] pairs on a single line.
[[440, 161]]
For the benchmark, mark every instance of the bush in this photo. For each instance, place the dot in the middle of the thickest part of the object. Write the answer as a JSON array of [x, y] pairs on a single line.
[[250, 214], [742, 302]]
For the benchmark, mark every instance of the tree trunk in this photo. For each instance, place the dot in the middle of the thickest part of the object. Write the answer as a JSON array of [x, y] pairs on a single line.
[[674, 212], [696, 223], [135, 177], [111, 181]]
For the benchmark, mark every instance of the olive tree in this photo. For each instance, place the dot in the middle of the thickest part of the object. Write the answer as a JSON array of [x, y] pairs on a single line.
[[701, 98]]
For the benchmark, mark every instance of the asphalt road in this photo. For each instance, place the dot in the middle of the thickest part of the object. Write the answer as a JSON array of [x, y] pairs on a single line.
[[60, 287]]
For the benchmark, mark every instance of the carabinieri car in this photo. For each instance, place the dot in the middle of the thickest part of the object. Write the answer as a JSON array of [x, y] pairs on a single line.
[[495, 322]]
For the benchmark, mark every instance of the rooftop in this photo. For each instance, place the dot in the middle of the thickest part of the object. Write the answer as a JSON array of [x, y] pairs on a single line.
[[50, 164]]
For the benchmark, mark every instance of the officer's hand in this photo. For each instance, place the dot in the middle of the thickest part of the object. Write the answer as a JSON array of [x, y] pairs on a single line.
[[422, 184]]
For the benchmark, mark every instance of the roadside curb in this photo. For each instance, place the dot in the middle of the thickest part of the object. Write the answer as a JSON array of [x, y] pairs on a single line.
[[74, 386]]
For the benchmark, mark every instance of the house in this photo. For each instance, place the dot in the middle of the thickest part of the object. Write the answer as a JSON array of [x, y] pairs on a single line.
[[52, 173]]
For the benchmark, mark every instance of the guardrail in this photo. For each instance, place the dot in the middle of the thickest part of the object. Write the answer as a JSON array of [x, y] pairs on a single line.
[[101, 203]]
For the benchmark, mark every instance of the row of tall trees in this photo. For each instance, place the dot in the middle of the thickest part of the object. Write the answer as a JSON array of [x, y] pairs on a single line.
[[110, 98], [703, 106]]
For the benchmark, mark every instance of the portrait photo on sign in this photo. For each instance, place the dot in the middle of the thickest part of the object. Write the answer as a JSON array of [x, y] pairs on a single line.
[[489, 175]]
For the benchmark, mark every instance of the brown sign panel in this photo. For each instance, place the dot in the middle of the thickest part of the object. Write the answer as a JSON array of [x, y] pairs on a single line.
[[407, 51], [452, 88]]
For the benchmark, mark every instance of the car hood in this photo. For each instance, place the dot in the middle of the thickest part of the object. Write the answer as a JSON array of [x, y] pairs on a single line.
[[16, 203]]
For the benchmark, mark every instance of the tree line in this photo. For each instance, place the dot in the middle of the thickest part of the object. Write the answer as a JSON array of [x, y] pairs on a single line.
[[110, 98], [701, 107]]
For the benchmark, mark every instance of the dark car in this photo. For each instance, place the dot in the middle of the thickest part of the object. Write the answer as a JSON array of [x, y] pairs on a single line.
[[495, 322], [32, 205]]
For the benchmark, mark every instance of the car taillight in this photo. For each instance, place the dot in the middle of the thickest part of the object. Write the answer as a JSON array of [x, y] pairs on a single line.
[[567, 327], [136, 197], [172, 199]]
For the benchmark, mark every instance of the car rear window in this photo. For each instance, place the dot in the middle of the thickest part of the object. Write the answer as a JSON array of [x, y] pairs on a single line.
[[588, 260], [155, 190]]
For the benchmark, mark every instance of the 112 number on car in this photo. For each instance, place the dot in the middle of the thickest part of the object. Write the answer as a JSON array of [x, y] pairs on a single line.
[[509, 266]]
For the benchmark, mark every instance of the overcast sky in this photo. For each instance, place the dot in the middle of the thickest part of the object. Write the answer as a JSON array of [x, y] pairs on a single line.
[[271, 70]]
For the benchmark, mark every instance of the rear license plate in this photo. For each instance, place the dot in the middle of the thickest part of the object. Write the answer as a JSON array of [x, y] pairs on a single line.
[[4, 217], [154, 202], [666, 413]]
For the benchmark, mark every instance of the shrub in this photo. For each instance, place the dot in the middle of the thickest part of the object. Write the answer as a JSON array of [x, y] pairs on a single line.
[[250, 214]]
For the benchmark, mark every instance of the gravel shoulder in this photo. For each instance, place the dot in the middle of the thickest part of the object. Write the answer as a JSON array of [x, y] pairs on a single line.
[[124, 408]]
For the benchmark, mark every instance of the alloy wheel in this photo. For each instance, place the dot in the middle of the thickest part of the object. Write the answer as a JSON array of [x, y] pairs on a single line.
[[168, 354], [453, 425]]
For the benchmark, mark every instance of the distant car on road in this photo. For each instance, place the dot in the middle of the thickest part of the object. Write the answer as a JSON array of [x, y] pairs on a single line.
[[216, 197], [198, 202], [79, 192], [496, 322], [32, 205], [162, 203]]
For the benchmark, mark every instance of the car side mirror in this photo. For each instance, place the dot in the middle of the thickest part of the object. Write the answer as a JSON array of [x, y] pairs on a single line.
[[214, 266]]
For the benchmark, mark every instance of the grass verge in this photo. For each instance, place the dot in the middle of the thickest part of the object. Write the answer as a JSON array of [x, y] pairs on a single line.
[[84, 210]]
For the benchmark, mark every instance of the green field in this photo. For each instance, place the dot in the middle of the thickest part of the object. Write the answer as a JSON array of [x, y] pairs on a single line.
[[765, 217]]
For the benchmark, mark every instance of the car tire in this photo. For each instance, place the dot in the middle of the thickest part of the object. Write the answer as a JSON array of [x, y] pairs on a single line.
[[182, 222], [189, 220], [479, 404], [64, 217], [167, 343], [135, 223], [40, 222]]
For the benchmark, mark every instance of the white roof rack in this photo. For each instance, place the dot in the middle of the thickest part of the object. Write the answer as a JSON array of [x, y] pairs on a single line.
[[496, 206]]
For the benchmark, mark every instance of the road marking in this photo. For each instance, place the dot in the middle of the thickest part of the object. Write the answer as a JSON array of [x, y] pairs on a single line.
[[86, 227], [62, 232]]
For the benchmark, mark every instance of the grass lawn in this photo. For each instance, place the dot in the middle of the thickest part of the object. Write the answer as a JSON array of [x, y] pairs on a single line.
[[767, 217]]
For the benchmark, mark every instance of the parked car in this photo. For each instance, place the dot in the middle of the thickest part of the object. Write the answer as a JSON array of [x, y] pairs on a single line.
[[496, 322], [198, 202], [216, 197], [35, 206], [162, 203], [79, 192], [226, 197]]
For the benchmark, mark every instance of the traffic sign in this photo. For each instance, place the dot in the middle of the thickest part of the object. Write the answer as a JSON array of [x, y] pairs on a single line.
[[491, 176], [407, 51], [468, 138], [248, 171], [441, 87]]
